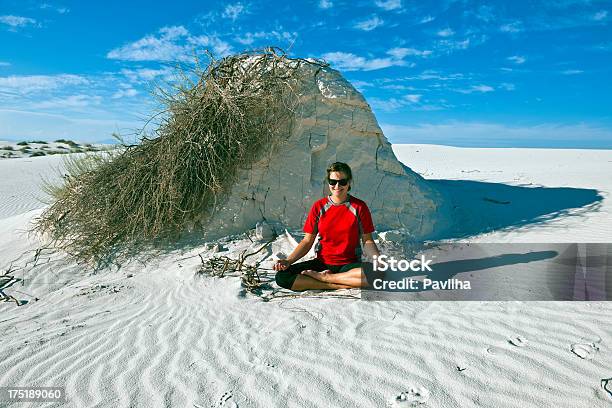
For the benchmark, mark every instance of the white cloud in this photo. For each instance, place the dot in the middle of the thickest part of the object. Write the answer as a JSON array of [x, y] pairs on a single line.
[[16, 21], [369, 24], [400, 53], [427, 19], [432, 107], [498, 135], [172, 44], [233, 11], [389, 4], [398, 87], [476, 88], [410, 102], [387, 105], [600, 15], [220, 47], [351, 62], [514, 27], [4, 64], [145, 74], [451, 45], [483, 88], [434, 75], [151, 48], [325, 4], [123, 93], [173, 32], [517, 59], [35, 83], [485, 13], [602, 47], [72, 101], [361, 84], [564, 4], [249, 38], [60, 10], [507, 86], [413, 98], [447, 32], [573, 17], [572, 72]]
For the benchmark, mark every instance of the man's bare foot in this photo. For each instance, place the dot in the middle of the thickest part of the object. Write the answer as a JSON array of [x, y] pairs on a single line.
[[320, 276]]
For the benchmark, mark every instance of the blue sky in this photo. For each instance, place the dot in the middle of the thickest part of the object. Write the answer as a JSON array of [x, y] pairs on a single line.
[[463, 73]]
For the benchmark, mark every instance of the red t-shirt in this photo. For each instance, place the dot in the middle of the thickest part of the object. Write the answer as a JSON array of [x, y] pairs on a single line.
[[339, 227]]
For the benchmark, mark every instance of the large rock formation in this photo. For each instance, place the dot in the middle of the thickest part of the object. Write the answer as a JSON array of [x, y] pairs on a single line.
[[333, 122]]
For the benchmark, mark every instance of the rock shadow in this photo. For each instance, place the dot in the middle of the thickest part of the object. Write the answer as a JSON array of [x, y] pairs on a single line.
[[476, 207]]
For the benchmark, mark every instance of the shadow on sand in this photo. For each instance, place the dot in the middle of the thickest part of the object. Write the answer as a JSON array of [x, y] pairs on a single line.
[[478, 207], [449, 269]]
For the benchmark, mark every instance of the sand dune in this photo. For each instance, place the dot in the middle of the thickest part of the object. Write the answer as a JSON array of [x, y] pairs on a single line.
[[160, 335], [20, 183]]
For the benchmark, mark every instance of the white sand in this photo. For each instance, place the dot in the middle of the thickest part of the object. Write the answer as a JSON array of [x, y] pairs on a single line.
[[167, 337], [21, 180]]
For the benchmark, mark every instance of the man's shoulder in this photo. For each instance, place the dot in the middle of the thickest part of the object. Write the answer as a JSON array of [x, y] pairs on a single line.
[[357, 202], [320, 202]]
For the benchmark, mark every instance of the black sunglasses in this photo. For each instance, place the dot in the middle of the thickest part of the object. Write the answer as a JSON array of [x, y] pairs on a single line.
[[332, 182]]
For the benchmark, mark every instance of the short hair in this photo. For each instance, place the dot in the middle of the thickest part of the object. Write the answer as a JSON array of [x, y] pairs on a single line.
[[341, 167]]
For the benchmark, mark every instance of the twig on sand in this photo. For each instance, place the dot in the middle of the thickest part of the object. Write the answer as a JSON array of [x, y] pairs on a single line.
[[606, 384], [6, 281], [21, 263], [223, 265], [324, 294], [494, 201], [7, 298]]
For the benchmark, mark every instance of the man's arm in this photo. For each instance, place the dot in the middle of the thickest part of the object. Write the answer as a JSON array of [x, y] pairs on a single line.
[[369, 246], [299, 251], [302, 248]]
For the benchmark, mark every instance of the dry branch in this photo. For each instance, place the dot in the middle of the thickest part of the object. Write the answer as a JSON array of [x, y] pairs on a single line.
[[221, 266]]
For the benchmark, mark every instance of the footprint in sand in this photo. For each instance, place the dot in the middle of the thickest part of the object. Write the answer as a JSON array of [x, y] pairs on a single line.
[[493, 350], [226, 401], [518, 341], [370, 327], [585, 351], [411, 398]]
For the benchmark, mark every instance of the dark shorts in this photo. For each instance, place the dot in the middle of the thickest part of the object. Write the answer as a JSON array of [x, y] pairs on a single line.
[[286, 278]]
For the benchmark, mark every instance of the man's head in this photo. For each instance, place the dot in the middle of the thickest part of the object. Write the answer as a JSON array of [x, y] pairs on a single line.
[[339, 177]]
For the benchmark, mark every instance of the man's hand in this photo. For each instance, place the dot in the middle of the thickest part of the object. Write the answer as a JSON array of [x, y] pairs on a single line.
[[281, 265], [370, 249]]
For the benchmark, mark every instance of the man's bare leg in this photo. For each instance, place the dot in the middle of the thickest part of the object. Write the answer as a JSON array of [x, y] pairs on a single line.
[[353, 278], [303, 282]]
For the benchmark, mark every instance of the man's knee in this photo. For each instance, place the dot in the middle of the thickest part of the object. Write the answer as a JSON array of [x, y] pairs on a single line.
[[285, 279], [372, 274]]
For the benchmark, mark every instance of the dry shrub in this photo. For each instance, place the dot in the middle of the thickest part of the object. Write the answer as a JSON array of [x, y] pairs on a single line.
[[217, 120]]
